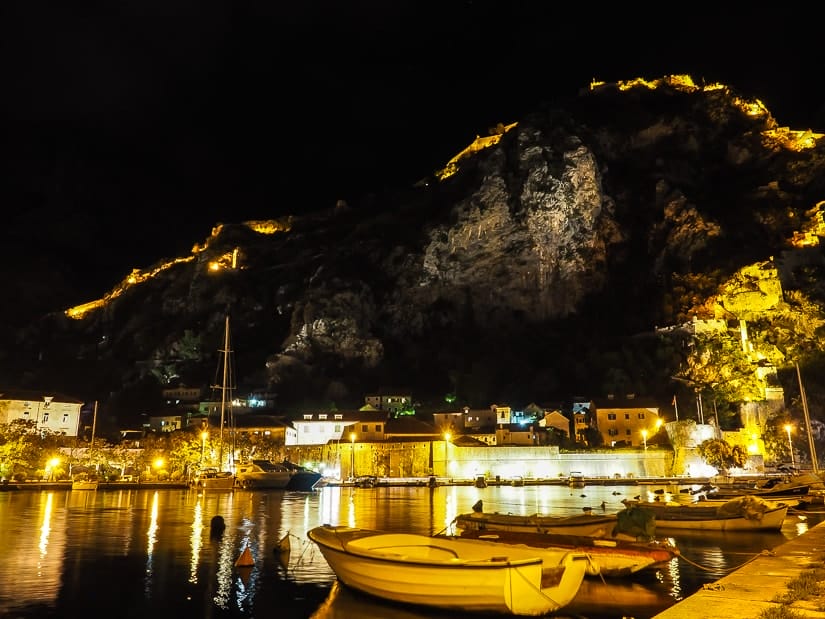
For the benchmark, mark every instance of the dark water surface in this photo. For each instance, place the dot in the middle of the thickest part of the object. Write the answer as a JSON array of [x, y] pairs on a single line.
[[150, 553]]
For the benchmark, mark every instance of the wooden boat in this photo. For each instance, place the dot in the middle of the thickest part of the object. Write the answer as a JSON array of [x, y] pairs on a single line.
[[606, 526], [85, 482], [263, 474], [745, 513], [772, 489], [450, 573], [610, 558]]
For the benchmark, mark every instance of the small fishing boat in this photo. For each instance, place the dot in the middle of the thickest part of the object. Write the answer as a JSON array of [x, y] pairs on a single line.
[[745, 513], [83, 481], [774, 488], [610, 558], [451, 573], [606, 526]]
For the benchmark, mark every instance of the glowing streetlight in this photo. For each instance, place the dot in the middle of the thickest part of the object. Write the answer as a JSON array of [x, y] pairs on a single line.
[[790, 444], [50, 466], [204, 436], [352, 455], [644, 438]]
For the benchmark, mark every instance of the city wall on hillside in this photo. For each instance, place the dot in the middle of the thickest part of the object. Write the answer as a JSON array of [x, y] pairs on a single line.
[[442, 459]]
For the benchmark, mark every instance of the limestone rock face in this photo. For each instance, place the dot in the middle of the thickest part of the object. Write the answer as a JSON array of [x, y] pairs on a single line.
[[528, 270], [535, 242]]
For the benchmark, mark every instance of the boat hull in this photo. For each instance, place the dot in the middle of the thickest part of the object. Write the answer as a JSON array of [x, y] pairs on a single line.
[[221, 480], [84, 485], [609, 558], [751, 515], [450, 574], [586, 525]]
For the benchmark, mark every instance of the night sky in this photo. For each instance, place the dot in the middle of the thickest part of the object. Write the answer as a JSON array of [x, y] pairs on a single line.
[[128, 136]]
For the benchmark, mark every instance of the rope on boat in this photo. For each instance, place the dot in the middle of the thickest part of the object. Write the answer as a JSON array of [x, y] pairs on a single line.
[[764, 553]]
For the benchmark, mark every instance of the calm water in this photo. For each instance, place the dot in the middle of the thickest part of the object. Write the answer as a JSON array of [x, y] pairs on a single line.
[[147, 553]]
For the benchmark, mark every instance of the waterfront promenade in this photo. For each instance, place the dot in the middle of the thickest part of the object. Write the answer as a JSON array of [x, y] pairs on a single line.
[[755, 587]]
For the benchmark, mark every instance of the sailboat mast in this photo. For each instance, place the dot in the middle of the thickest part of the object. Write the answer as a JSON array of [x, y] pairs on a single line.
[[224, 385], [811, 446], [94, 424]]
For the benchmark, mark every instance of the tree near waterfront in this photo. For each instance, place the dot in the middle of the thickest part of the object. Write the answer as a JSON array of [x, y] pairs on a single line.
[[722, 455]]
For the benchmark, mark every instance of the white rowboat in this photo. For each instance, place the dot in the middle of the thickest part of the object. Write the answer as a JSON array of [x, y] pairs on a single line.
[[451, 573]]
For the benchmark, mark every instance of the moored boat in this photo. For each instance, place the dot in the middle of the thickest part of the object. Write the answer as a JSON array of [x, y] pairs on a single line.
[[609, 557], [607, 526], [263, 474], [745, 513], [450, 573], [85, 482]]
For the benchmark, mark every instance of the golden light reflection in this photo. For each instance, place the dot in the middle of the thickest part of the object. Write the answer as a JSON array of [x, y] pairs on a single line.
[[196, 540], [45, 529], [151, 539], [226, 562]]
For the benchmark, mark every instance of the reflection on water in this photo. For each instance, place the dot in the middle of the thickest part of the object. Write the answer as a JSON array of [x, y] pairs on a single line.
[[150, 551]]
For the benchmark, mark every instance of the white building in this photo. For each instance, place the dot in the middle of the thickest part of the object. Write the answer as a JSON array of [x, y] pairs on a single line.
[[49, 411]]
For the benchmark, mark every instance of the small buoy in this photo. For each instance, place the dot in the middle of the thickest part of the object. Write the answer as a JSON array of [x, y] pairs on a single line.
[[217, 526], [245, 560], [478, 507], [587, 510]]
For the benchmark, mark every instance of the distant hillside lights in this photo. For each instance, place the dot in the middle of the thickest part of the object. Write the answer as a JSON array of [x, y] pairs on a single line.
[[133, 279], [783, 136], [228, 260]]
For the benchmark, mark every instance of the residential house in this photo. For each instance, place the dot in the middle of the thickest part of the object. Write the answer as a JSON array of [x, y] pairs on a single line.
[[476, 419], [503, 414], [555, 419], [452, 422], [52, 412], [320, 428], [582, 411], [269, 426], [626, 420], [182, 394], [390, 400], [516, 434]]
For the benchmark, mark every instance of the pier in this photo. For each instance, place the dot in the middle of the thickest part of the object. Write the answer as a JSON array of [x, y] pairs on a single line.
[[760, 584]]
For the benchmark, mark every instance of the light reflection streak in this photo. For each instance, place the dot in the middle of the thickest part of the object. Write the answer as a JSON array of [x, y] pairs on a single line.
[[196, 541], [224, 566], [351, 509], [151, 536], [45, 528]]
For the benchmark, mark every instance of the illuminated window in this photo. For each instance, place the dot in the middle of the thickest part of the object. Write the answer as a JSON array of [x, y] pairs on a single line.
[[322, 416], [611, 416]]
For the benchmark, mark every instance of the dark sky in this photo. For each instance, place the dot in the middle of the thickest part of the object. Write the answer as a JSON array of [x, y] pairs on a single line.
[[129, 135]]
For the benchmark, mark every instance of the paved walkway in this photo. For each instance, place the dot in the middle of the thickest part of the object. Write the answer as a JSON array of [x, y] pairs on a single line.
[[749, 591]]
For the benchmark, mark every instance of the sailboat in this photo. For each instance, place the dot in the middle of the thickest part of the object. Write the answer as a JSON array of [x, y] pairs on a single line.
[[221, 477], [84, 481]]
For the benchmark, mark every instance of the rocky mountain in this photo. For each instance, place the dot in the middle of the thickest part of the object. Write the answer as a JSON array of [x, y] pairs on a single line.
[[543, 261]]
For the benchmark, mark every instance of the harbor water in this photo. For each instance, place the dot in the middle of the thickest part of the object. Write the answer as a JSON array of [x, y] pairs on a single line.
[[133, 553]]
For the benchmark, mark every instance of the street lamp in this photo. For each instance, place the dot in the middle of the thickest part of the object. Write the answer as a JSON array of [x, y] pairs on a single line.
[[204, 436], [352, 455], [790, 444], [50, 466], [644, 438]]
